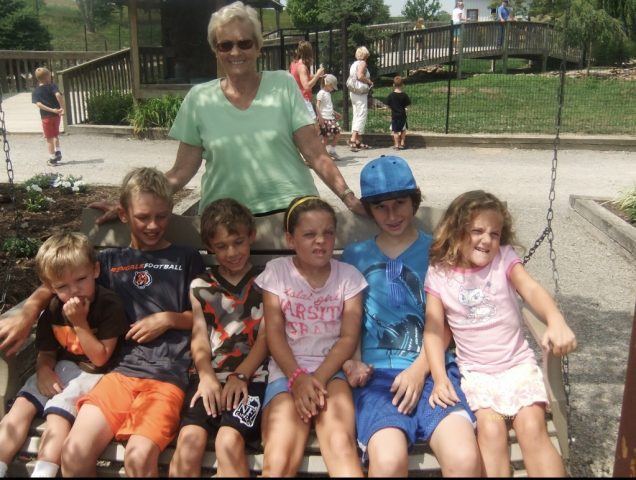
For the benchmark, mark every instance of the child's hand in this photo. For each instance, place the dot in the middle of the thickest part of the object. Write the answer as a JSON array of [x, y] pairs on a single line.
[[337, 115], [558, 338], [60, 111], [148, 328], [358, 373], [76, 311], [49, 384], [309, 396], [407, 387], [443, 394], [209, 391], [232, 391]]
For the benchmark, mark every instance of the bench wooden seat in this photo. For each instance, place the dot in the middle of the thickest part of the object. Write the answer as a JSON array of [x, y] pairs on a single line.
[[269, 244]]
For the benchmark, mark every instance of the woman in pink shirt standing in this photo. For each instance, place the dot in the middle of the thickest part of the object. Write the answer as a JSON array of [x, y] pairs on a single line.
[[472, 283], [300, 70]]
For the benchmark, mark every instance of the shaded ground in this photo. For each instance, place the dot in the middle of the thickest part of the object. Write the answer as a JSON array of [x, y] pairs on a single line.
[[63, 214]]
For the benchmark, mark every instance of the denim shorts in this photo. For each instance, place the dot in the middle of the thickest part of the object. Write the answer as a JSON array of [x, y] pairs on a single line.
[[280, 386]]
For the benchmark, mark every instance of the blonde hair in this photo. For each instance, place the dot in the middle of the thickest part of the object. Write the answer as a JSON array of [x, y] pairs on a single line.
[[145, 180], [62, 252], [235, 11], [41, 73], [362, 53], [453, 228]]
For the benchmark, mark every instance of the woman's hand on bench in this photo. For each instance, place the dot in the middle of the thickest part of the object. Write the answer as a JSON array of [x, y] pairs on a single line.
[[14, 330], [109, 209]]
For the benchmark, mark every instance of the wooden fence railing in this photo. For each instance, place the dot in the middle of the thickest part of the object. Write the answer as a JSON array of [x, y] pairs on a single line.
[[110, 73], [17, 67]]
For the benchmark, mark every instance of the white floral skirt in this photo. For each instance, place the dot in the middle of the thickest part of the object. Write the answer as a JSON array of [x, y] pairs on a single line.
[[505, 392]]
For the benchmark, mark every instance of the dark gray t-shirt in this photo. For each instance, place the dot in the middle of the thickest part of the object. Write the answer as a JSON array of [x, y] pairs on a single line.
[[149, 282]]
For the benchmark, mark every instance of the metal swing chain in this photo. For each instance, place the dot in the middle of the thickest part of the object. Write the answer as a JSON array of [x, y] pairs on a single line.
[[11, 256], [548, 233]]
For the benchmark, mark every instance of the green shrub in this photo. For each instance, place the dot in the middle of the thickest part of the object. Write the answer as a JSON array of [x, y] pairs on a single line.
[[21, 247], [34, 200], [109, 108], [155, 112], [42, 180], [626, 201]]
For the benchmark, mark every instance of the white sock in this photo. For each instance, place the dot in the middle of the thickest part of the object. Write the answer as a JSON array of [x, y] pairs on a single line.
[[331, 148], [3, 469], [45, 469]]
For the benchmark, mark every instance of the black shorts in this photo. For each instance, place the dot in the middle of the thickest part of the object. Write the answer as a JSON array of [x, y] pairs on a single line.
[[398, 124], [246, 419]]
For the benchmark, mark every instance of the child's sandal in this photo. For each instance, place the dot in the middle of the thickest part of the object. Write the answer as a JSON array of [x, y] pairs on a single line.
[[354, 146]]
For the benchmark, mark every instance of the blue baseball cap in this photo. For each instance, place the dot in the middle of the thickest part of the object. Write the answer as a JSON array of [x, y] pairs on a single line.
[[386, 177]]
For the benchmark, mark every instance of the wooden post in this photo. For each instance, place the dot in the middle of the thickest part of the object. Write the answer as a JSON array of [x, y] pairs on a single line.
[[134, 50], [625, 458], [504, 57]]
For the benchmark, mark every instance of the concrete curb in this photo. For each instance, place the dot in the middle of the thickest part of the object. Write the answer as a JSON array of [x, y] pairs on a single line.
[[614, 227], [423, 140]]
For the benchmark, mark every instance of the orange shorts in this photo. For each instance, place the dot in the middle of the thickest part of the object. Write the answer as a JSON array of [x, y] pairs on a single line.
[[137, 406], [51, 126]]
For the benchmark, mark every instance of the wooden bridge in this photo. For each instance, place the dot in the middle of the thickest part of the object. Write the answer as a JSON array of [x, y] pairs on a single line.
[[398, 48]]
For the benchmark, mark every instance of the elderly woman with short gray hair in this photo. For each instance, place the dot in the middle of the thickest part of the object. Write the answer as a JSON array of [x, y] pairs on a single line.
[[359, 101], [252, 128]]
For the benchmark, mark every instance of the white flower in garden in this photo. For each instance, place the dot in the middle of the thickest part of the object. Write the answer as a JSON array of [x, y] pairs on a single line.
[[34, 188]]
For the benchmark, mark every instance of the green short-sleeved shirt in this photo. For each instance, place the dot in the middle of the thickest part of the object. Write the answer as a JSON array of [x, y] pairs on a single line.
[[249, 154]]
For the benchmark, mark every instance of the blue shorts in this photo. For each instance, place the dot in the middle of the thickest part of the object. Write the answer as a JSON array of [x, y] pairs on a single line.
[[280, 386], [374, 410]]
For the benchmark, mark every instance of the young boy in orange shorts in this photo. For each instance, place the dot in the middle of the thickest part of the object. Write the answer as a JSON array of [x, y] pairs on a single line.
[[48, 98], [226, 392], [140, 400]]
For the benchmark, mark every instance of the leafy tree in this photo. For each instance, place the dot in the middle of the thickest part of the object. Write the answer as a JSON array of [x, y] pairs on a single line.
[[624, 11], [303, 13], [95, 12], [585, 24], [426, 9], [20, 29]]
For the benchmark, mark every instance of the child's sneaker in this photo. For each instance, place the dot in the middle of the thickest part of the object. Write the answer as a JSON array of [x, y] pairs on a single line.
[[58, 156], [334, 156], [52, 162]]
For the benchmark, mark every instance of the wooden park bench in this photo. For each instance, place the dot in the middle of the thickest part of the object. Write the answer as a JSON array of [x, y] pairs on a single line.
[[269, 244]]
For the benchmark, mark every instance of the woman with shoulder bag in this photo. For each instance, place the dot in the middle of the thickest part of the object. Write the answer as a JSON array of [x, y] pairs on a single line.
[[359, 84]]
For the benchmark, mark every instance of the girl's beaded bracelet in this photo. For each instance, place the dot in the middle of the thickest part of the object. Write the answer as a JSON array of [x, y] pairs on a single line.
[[294, 376]]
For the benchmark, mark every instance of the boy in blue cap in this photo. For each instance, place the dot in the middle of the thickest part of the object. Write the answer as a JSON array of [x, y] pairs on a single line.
[[393, 379]]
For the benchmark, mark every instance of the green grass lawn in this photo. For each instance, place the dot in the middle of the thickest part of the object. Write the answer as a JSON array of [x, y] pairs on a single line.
[[516, 104]]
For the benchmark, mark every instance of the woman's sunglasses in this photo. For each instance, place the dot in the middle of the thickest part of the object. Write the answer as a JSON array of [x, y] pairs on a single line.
[[229, 45]]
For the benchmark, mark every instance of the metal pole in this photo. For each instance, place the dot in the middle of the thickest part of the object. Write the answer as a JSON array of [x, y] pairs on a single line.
[[345, 74], [625, 457], [450, 64]]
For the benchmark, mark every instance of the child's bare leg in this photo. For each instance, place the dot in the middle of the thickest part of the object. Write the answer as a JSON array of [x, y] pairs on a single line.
[[88, 438], [388, 453], [454, 444], [284, 437], [402, 137], [335, 428], [188, 456], [141, 458], [230, 453], [396, 139], [14, 428], [492, 436], [57, 429], [50, 145], [335, 138], [539, 454]]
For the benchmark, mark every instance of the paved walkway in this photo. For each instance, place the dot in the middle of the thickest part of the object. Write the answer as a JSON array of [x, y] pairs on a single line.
[[597, 276], [21, 116]]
